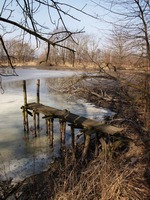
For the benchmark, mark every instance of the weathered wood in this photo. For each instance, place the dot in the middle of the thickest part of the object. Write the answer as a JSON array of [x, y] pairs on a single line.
[[89, 126], [50, 131], [38, 101], [78, 121], [96, 144], [60, 125], [24, 118], [86, 145], [26, 122], [25, 92], [25, 113], [38, 123], [34, 119], [46, 122], [38, 91], [62, 131], [73, 142]]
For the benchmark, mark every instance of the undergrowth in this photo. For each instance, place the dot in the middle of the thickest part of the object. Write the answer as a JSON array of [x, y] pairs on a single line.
[[108, 179]]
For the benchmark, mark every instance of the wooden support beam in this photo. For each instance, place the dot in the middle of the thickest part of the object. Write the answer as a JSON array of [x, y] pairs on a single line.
[[25, 92], [38, 90], [60, 128], [38, 101], [96, 144], [46, 123], [62, 131], [38, 123], [50, 131], [24, 118], [86, 145], [34, 120], [25, 114], [73, 142]]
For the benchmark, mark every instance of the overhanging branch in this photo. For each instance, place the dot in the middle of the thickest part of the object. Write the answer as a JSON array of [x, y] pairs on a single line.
[[31, 32]]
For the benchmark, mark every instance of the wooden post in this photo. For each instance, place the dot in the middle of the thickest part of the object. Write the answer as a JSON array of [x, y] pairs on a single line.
[[25, 114], [24, 118], [34, 119], [38, 101], [25, 92], [46, 122], [73, 142], [50, 130], [96, 144], [86, 145], [62, 131], [38, 90]]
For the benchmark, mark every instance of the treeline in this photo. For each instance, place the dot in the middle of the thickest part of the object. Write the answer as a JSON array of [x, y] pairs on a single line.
[[19, 51], [117, 53]]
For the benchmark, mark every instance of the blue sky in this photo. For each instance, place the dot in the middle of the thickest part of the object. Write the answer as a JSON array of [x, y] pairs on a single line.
[[90, 25]]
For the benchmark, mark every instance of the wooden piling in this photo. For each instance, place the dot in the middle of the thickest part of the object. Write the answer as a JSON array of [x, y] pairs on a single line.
[[38, 90], [24, 118], [50, 130], [96, 144], [62, 131], [60, 125], [46, 122], [25, 114], [86, 145], [38, 101], [34, 119], [25, 92], [73, 142]]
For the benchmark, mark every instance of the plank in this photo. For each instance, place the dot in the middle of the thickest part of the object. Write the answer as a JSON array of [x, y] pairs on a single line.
[[78, 121]]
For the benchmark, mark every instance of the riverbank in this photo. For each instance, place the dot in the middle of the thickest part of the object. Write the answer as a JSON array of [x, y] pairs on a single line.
[[47, 66], [116, 174]]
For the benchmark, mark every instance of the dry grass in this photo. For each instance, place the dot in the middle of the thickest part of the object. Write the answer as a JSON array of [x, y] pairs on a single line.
[[107, 180]]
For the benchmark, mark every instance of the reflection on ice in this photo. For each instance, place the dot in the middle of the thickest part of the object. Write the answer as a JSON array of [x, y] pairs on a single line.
[[22, 155]]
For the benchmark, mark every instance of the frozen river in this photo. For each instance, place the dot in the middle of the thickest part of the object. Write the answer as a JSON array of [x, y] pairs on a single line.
[[22, 156]]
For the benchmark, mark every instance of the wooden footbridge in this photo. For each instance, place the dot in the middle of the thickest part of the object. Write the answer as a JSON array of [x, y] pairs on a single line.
[[87, 126]]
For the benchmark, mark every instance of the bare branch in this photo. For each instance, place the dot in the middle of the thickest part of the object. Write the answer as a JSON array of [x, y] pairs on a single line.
[[7, 54], [34, 33]]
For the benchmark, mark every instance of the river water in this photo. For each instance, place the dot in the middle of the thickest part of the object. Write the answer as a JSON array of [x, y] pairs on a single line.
[[22, 156]]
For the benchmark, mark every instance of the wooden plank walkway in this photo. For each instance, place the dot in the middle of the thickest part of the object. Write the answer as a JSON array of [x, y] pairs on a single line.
[[76, 120], [88, 126]]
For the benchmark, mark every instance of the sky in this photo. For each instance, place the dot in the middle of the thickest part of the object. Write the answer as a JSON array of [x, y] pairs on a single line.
[[91, 26]]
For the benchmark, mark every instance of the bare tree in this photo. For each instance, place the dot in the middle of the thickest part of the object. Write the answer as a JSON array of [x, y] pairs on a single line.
[[120, 46], [133, 16], [19, 51]]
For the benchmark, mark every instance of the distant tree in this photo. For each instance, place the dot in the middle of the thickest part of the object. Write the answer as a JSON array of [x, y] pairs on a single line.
[[120, 46], [88, 49], [85, 45], [19, 51]]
